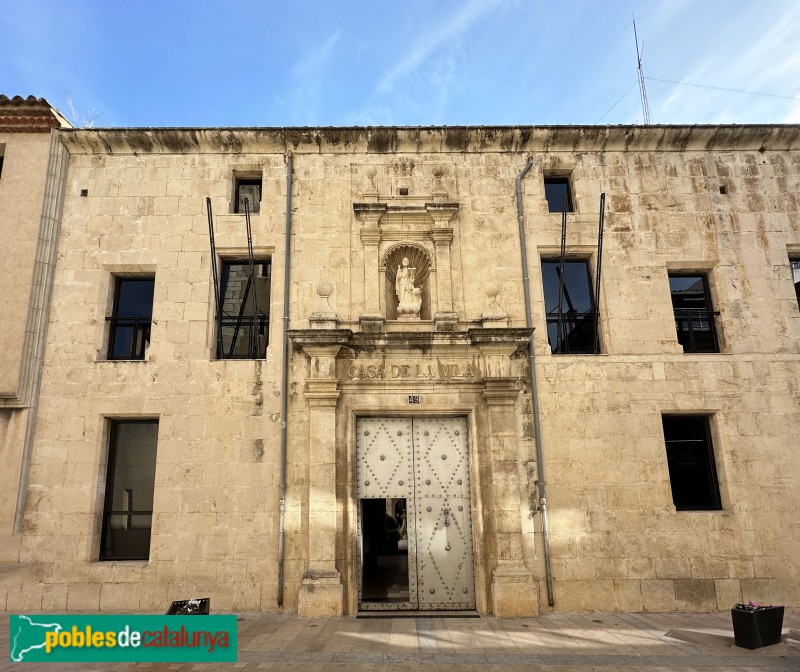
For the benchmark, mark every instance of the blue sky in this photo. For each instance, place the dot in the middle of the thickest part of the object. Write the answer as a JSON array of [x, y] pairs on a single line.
[[319, 63]]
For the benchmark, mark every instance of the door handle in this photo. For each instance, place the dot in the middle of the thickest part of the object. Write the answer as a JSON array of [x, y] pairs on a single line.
[[446, 517]]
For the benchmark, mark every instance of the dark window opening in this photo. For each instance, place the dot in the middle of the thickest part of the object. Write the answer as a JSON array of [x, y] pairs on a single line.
[[694, 314], [690, 458], [130, 482], [130, 321], [796, 278], [577, 332], [1, 165], [723, 189], [250, 189], [558, 194], [244, 323]]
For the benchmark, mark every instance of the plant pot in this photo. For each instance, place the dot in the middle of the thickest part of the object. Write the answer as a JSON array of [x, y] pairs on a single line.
[[754, 628], [196, 607]]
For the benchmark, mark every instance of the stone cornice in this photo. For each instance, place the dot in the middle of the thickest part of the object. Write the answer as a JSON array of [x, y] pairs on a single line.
[[303, 338], [434, 140]]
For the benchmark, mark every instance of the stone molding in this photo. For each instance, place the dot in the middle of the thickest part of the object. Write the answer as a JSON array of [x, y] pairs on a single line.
[[431, 140], [41, 284]]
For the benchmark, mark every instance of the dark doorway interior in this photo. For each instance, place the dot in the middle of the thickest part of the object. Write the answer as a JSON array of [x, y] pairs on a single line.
[[384, 574]]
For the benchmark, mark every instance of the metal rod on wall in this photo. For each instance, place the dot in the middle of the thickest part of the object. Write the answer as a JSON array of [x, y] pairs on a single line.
[[559, 330], [253, 327], [214, 275], [599, 269]]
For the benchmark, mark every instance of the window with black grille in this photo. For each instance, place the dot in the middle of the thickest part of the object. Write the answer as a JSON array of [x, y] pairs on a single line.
[[244, 321], [694, 314], [570, 330], [690, 458], [129, 323], [130, 482]]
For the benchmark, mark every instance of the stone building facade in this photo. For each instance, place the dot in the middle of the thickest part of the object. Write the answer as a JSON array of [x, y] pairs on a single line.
[[31, 158], [665, 406]]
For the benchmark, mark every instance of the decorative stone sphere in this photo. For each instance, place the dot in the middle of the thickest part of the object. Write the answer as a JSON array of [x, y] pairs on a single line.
[[438, 172], [492, 289], [371, 172], [324, 289]]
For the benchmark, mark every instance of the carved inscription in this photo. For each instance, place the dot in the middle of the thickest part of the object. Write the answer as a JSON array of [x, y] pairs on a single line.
[[425, 371]]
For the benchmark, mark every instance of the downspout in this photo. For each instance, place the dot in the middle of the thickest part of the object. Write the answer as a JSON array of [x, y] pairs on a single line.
[[39, 304], [534, 393], [285, 375]]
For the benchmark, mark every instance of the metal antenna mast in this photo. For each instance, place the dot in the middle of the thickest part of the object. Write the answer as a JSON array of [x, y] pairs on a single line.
[[640, 73]]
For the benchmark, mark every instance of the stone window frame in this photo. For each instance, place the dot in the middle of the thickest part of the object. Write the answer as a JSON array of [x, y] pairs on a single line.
[[246, 176], [793, 252], [261, 253], [587, 260], [106, 300], [713, 473], [563, 176], [142, 326], [711, 314], [106, 465]]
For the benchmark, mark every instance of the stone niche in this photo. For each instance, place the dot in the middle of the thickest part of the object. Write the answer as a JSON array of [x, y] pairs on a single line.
[[419, 227]]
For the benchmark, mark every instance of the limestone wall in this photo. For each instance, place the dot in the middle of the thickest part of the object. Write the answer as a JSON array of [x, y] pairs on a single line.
[[22, 185], [617, 541]]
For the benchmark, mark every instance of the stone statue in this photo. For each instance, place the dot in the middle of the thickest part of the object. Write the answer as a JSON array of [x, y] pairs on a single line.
[[409, 296]]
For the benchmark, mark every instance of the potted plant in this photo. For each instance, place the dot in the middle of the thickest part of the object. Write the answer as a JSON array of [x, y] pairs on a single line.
[[755, 626]]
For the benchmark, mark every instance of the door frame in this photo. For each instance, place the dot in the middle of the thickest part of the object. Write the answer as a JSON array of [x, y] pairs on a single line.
[[347, 442]]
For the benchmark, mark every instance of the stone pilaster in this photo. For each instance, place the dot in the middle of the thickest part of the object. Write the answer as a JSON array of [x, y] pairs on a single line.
[[369, 214], [321, 592], [514, 592], [445, 317]]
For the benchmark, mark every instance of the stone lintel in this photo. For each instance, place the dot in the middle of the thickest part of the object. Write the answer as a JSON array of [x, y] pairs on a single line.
[[326, 321], [409, 339], [517, 335], [321, 594], [500, 391], [442, 213], [514, 593], [371, 236], [319, 337], [368, 211], [372, 324], [322, 391], [494, 321], [442, 236], [445, 321]]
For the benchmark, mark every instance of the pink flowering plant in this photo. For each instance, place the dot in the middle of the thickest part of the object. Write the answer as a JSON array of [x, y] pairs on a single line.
[[752, 606]]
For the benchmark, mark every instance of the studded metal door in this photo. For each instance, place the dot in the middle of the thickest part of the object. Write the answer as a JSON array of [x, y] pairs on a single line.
[[425, 461]]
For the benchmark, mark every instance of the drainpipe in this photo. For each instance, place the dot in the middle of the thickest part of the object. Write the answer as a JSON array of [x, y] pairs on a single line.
[[285, 377], [534, 393], [39, 305]]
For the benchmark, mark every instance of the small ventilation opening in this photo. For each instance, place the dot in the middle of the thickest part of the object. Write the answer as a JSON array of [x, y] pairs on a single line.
[[723, 189], [404, 191], [84, 192]]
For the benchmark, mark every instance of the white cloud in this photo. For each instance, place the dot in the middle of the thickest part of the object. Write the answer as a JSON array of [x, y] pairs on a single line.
[[315, 60], [459, 23], [304, 97]]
